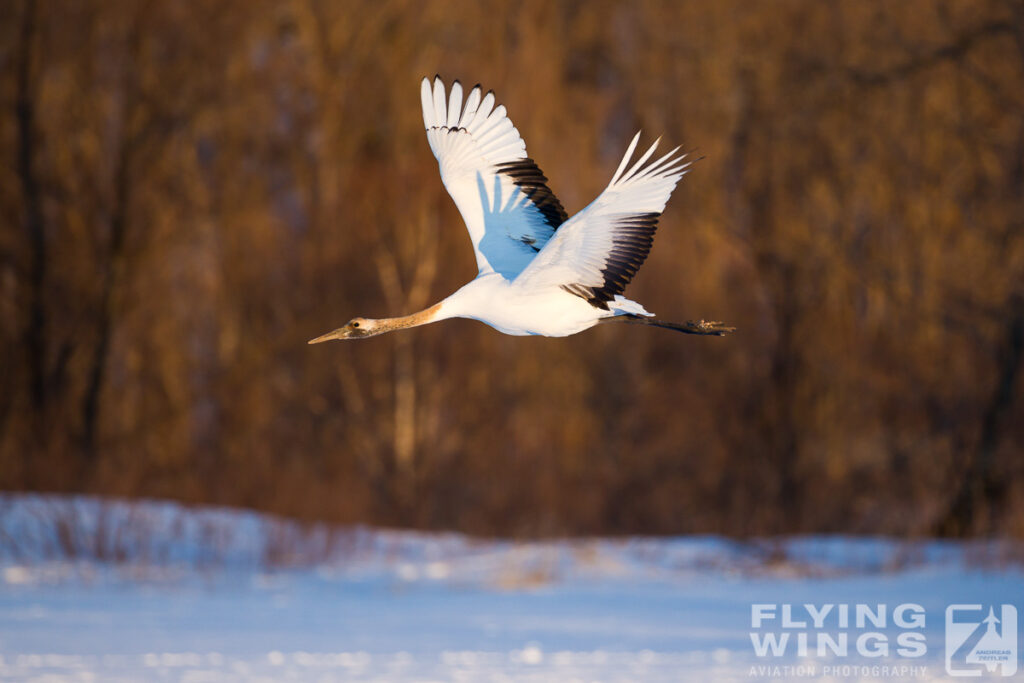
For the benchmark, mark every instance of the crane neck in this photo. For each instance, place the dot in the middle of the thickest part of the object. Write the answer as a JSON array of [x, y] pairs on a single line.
[[427, 315]]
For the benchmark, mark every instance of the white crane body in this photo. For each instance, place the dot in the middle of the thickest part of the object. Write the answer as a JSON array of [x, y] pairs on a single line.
[[549, 311]]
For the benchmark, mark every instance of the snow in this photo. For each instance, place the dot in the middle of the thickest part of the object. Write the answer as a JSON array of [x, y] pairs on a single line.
[[101, 590]]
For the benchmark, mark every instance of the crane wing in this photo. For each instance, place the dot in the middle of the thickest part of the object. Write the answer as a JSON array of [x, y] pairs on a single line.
[[596, 253], [502, 195]]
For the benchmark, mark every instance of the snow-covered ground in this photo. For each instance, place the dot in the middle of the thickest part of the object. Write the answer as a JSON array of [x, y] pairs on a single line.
[[95, 590]]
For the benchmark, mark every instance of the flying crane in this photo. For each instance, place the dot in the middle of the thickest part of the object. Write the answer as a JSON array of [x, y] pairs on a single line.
[[540, 272]]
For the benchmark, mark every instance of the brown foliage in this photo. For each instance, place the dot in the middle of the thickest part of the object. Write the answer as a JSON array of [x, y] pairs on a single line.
[[189, 191]]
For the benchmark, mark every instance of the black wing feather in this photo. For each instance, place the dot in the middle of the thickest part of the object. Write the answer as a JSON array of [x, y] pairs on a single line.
[[633, 235], [529, 178]]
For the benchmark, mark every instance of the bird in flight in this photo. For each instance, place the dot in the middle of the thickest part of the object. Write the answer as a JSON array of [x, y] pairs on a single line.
[[540, 272]]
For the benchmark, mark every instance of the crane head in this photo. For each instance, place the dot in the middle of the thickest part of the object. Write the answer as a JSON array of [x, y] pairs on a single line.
[[355, 328]]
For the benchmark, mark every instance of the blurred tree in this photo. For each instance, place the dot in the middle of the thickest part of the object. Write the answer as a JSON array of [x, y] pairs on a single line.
[[195, 189]]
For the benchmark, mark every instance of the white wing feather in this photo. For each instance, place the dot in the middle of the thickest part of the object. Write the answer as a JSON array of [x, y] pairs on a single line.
[[509, 211], [597, 252]]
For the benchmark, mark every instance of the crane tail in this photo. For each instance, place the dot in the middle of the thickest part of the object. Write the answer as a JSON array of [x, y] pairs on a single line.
[[702, 327]]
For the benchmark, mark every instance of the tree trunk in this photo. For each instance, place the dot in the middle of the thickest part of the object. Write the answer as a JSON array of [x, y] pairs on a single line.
[[982, 491], [105, 318], [35, 334]]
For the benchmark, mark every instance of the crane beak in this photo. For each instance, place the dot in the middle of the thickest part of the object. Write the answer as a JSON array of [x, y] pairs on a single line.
[[336, 334]]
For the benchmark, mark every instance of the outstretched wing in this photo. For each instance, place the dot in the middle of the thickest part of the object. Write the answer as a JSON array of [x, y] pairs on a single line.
[[597, 252], [502, 195]]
